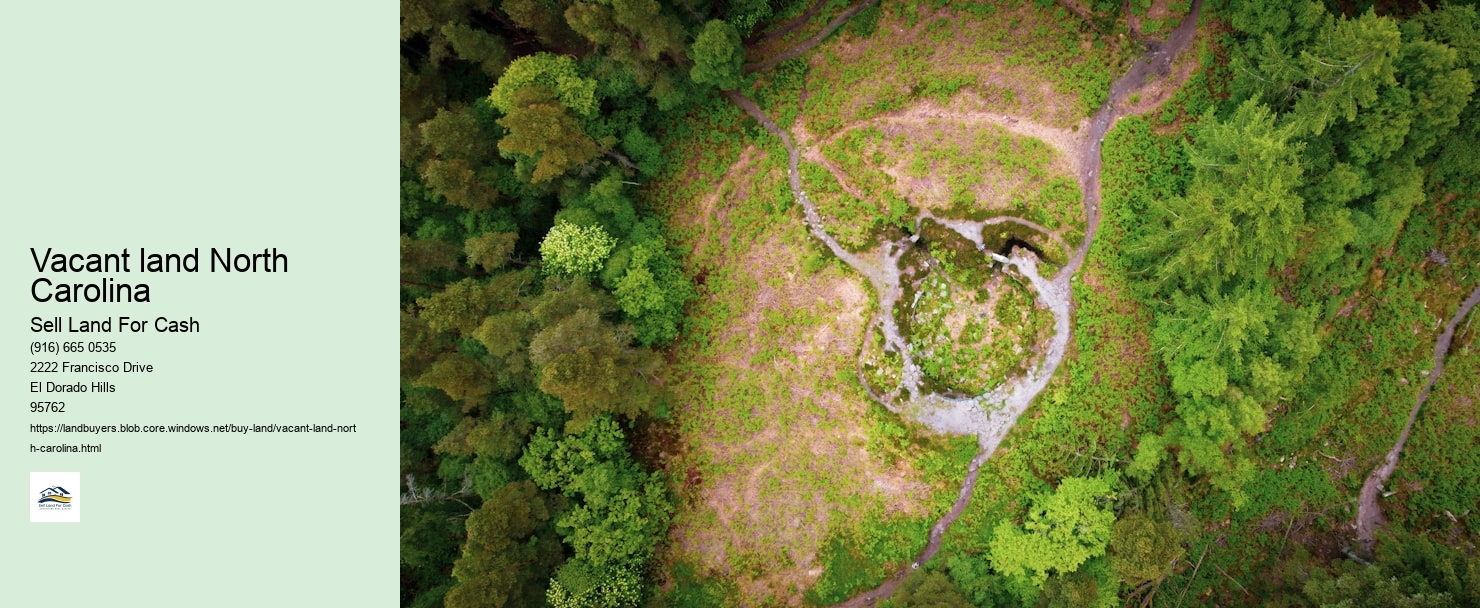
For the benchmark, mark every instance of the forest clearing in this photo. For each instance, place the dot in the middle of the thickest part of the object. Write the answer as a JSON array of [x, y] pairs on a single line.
[[940, 304]]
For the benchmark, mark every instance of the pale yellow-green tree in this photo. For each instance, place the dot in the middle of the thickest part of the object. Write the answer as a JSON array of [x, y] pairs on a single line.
[[569, 249], [1060, 532]]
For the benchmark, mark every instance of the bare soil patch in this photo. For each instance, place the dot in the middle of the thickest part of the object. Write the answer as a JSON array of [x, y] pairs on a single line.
[[904, 59], [1158, 20], [772, 430], [708, 221]]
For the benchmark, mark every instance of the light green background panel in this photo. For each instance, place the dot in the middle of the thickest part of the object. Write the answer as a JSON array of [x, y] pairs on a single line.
[[175, 126]]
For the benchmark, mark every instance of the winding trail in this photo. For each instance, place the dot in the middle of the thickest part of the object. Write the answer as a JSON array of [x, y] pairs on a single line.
[[807, 45], [1369, 511], [991, 415], [787, 27], [1064, 140], [972, 230], [880, 265]]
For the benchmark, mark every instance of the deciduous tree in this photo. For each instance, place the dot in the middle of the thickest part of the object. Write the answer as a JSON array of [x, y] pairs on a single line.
[[1143, 549], [618, 514], [543, 131], [586, 363], [653, 292], [569, 249], [718, 56], [504, 560], [928, 589], [556, 73], [490, 250], [1061, 531]]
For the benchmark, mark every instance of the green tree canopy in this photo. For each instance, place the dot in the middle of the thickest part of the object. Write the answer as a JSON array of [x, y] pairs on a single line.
[[618, 588], [504, 560], [1143, 549], [1241, 215], [545, 19], [1410, 571], [644, 37], [1076, 589], [489, 51], [558, 73], [458, 166], [421, 257], [587, 362], [490, 250], [569, 249], [617, 516], [459, 375], [746, 14], [718, 56], [653, 292], [928, 589], [544, 132], [1060, 532]]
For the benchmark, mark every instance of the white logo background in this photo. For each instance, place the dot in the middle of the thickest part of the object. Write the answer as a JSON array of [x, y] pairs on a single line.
[[72, 482]]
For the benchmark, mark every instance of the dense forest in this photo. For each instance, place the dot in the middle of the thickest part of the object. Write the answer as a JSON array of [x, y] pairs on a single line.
[[537, 290], [1284, 236]]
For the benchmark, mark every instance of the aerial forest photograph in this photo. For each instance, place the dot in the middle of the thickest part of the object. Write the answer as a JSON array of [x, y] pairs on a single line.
[[939, 303]]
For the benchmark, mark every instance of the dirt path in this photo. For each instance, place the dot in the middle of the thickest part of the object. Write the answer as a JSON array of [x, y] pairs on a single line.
[[1055, 295], [1157, 60], [1369, 511], [972, 230], [711, 202], [787, 27], [807, 45], [880, 265], [969, 416], [989, 416], [1063, 140]]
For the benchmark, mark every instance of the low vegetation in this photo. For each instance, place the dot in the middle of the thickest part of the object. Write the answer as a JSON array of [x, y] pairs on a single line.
[[631, 376]]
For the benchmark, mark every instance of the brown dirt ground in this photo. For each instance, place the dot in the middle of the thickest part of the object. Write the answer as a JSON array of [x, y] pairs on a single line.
[[774, 437], [1160, 10], [1163, 88], [776, 456], [1033, 96], [708, 220], [769, 44], [929, 122]]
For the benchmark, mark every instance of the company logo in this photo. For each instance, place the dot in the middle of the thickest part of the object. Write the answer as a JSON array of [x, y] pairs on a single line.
[[55, 497]]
